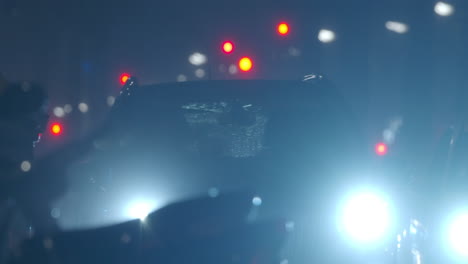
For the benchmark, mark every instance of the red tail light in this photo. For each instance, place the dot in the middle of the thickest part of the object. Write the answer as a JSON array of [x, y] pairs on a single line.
[[381, 149], [124, 78], [283, 29], [245, 64], [228, 47], [56, 129]]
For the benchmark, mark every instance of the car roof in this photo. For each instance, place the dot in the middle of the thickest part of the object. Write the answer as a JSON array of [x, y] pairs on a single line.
[[273, 93]]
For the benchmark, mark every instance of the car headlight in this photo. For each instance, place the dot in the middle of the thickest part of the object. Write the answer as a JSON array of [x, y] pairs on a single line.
[[365, 217], [140, 209], [458, 234]]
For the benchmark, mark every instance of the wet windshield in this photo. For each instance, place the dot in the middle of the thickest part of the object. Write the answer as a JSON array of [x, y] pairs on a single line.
[[172, 141]]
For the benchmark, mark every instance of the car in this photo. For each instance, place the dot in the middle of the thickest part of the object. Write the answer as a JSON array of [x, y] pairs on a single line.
[[292, 148]]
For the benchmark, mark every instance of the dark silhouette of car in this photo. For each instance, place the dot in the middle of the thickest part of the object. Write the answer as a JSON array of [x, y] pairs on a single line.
[[263, 157]]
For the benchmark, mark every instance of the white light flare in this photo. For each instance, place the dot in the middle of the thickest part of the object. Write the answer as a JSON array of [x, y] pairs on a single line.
[[197, 59], [140, 209], [458, 234], [366, 218], [67, 108], [326, 36], [390, 133], [294, 52], [257, 201], [83, 107], [232, 69], [200, 73], [397, 27], [59, 111], [444, 9], [110, 100], [181, 78], [213, 192], [25, 166], [416, 256]]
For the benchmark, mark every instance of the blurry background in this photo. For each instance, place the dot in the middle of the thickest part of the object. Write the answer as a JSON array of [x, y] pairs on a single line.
[[399, 63], [385, 69]]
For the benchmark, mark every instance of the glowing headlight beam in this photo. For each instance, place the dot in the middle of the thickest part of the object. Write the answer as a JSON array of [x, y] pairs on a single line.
[[366, 217], [140, 210], [458, 234]]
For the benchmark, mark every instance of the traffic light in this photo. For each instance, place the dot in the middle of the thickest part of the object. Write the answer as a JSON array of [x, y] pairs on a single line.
[[283, 29], [228, 47], [124, 78], [381, 149], [245, 64], [56, 129]]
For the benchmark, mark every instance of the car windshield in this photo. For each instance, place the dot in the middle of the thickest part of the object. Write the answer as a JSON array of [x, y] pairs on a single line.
[[205, 135]]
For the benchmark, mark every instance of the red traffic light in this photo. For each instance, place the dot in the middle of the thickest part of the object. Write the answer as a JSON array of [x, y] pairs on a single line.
[[381, 149], [56, 129], [228, 47], [283, 28], [124, 78], [245, 64]]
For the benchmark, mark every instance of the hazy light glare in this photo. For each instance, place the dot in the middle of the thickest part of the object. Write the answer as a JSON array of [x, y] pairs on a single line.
[[125, 238], [59, 111], [181, 78], [200, 73], [388, 136], [55, 212], [416, 256], [140, 210], [366, 217], [48, 243], [290, 226], [83, 107], [295, 52], [397, 27], [25, 166], [326, 36], [222, 68], [213, 192], [396, 123], [67, 108], [110, 100], [390, 133], [197, 59], [257, 201], [444, 9], [232, 69], [458, 234]]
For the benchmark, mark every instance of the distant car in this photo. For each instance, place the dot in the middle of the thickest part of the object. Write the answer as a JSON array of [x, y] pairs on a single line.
[[294, 147]]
